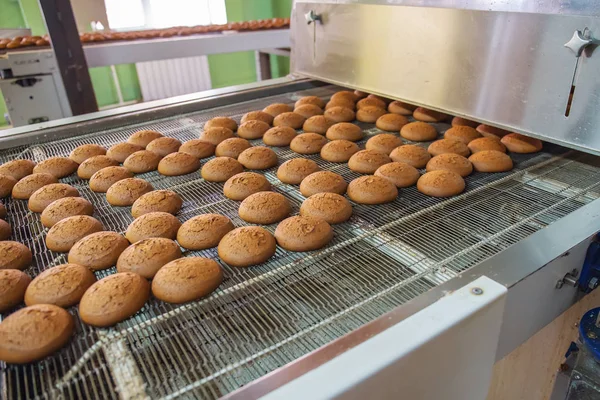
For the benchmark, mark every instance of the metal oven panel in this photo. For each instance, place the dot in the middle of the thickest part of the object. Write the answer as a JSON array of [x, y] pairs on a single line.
[[509, 69]]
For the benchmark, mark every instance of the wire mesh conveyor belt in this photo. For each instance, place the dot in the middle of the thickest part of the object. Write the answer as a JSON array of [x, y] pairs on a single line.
[[264, 317]]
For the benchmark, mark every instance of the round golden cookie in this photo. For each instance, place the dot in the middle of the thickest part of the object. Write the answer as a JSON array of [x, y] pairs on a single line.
[[5, 230], [33, 333], [221, 122], [98, 251], [66, 232], [142, 161], [308, 110], [258, 115], [57, 166], [153, 224], [85, 151], [186, 279], [344, 95], [345, 131], [277, 108], [383, 143], [106, 177], [242, 185], [372, 189], [367, 161], [400, 174], [486, 143], [330, 207], [61, 286], [401, 108], [203, 231], [279, 136], [253, 129], [120, 151], [345, 103], [157, 200], [198, 148], [517, 143], [317, 124], [164, 146], [232, 147], [18, 169], [45, 195], [463, 133], [14, 255], [220, 169], [370, 114], [13, 284], [7, 183], [147, 256], [308, 143], [459, 121], [491, 131], [264, 208], [303, 233], [441, 183], [126, 191], [178, 163], [448, 146], [295, 170], [290, 119], [258, 157], [247, 246], [339, 151], [323, 181], [491, 161], [419, 132], [370, 102], [340, 114], [360, 94], [450, 162], [426, 115], [114, 299], [94, 164], [24, 188], [65, 208], [391, 122], [143, 138], [314, 100]]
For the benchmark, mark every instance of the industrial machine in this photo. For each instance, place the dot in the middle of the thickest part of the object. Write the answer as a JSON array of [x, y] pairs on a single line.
[[413, 299]]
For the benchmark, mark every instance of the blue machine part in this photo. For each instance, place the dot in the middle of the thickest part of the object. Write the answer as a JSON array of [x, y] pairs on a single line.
[[590, 272], [589, 332]]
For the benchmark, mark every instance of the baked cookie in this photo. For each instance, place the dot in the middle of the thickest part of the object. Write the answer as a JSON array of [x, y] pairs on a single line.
[[66, 232], [120, 151], [126, 191], [367, 161], [370, 114], [61, 286], [410, 154], [94, 164], [45, 195], [157, 200], [220, 169], [242, 185], [345, 131], [330, 207], [106, 177], [147, 256], [400, 174], [221, 122], [459, 121], [323, 181], [295, 170], [491, 131], [450, 162], [462, 133], [142, 161], [302, 233], [203, 231], [290, 119], [391, 122], [401, 108], [13, 284], [441, 183], [253, 129], [153, 224], [264, 208], [486, 143], [258, 158], [143, 138], [383, 143], [65, 208], [340, 114], [345, 95], [317, 124], [308, 110], [371, 102], [277, 108], [308, 143], [85, 151], [279, 136], [178, 163], [186, 279], [491, 161], [18, 169], [258, 116], [517, 143], [247, 246], [314, 100], [341, 103], [339, 151], [198, 148], [164, 146], [98, 251], [448, 146], [419, 132], [24, 188], [60, 167], [372, 189], [232, 147], [14, 255], [426, 115], [7, 183]]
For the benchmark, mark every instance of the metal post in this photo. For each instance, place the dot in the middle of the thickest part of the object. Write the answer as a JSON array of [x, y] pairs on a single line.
[[61, 26], [263, 66]]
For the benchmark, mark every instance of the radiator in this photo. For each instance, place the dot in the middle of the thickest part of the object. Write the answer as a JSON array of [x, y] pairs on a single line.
[[167, 78]]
